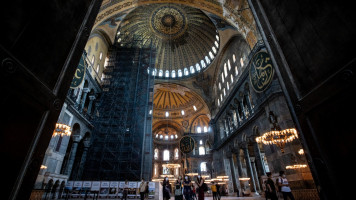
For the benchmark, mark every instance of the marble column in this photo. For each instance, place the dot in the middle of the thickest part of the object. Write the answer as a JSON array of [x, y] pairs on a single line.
[[235, 177], [91, 100], [238, 163], [259, 161], [72, 154], [86, 145], [244, 117], [82, 102], [249, 168], [257, 182]]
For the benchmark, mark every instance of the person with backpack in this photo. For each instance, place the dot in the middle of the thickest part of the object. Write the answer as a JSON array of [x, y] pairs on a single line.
[[271, 192], [283, 186], [178, 194]]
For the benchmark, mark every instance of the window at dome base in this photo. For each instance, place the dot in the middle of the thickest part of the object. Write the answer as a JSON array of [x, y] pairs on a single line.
[[184, 35]]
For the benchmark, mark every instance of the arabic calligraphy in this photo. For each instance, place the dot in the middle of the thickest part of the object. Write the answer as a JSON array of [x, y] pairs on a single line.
[[186, 144], [79, 74], [261, 71]]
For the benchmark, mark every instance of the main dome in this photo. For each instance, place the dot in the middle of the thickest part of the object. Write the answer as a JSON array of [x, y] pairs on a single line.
[[185, 40]]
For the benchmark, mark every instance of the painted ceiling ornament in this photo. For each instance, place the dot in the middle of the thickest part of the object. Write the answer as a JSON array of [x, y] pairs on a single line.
[[261, 71], [184, 38], [169, 22]]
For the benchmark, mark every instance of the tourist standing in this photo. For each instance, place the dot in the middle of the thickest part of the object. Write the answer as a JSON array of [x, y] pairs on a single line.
[[284, 186], [178, 193], [187, 188]]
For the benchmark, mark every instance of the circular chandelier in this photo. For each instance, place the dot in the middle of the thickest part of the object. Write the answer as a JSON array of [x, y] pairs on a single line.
[[279, 138], [298, 166], [61, 130]]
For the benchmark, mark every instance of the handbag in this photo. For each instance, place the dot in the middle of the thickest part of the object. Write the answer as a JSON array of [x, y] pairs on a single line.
[[205, 187]]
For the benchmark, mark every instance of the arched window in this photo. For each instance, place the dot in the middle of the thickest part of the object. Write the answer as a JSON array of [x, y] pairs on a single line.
[[201, 150], [228, 64], [198, 129], [173, 73], [207, 60], [101, 55], [205, 129], [218, 102], [236, 71], [227, 85], [219, 86], [167, 74], [160, 73], [232, 78], [216, 44], [166, 155], [241, 62], [154, 72], [186, 72], [217, 37], [233, 58], [214, 50], [202, 64], [211, 55], [192, 70], [222, 77], [156, 154], [203, 167], [197, 66], [180, 73], [92, 60], [156, 170], [97, 68], [225, 70], [176, 154]]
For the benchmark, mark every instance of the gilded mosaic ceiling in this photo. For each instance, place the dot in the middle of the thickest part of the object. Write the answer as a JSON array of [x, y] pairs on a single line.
[[185, 39], [174, 99]]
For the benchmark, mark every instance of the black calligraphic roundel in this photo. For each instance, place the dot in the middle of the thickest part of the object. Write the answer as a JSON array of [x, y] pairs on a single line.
[[186, 144], [261, 71]]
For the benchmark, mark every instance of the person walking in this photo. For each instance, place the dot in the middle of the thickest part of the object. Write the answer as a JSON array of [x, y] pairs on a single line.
[[284, 186], [201, 187], [214, 191], [187, 188], [142, 189], [166, 189], [147, 190], [271, 192], [218, 190], [178, 194], [125, 191]]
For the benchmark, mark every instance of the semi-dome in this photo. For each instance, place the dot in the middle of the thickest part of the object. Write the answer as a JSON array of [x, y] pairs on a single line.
[[185, 39], [172, 101]]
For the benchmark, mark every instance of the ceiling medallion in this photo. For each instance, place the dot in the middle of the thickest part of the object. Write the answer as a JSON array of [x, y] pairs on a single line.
[[169, 22]]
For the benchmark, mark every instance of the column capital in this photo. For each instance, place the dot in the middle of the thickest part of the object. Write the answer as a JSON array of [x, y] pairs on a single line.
[[86, 90], [76, 138], [92, 97]]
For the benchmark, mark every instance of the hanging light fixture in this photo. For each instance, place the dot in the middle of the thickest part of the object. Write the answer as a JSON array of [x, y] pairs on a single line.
[[279, 138], [298, 166], [276, 135], [61, 130]]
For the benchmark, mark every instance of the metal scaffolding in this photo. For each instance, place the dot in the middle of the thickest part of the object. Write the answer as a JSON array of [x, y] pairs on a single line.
[[122, 138]]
